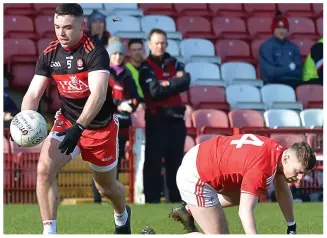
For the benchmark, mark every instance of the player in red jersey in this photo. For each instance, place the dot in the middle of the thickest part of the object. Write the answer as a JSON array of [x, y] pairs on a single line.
[[235, 170], [85, 124]]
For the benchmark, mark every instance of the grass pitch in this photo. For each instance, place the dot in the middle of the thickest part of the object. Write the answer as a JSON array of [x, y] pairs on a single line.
[[98, 219]]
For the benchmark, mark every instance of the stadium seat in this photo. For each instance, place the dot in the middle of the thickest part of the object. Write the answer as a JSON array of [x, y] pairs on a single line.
[[259, 27], [89, 7], [234, 50], [255, 48], [227, 9], [189, 143], [280, 96], [195, 27], [281, 118], [239, 73], [42, 44], [312, 118], [310, 95], [54, 102], [44, 27], [19, 50], [165, 23], [304, 46], [22, 75], [245, 118], [203, 73], [172, 48], [191, 9], [302, 28], [229, 28], [127, 27], [184, 97], [318, 9], [208, 97], [296, 9], [45, 8], [165, 9], [202, 138], [260, 9], [319, 24], [199, 50], [209, 118], [19, 9], [20, 27], [137, 118], [287, 140], [123, 9], [244, 97]]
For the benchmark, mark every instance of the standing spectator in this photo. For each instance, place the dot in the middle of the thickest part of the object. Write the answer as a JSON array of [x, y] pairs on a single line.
[[313, 66], [124, 91], [97, 28], [280, 60], [136, 53], [125, 98], [162, 79], [9, 108]]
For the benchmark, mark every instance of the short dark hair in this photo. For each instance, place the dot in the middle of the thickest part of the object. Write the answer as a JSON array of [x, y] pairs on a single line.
[[134, 41], [158, 31], [305, 154], [72, 9]]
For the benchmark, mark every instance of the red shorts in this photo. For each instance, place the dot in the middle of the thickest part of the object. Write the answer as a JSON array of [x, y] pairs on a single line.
[[99, 147]]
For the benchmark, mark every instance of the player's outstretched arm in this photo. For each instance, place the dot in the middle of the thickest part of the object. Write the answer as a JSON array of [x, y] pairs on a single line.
[[246, 212], [285, 199], [98, 85], [34, 93]]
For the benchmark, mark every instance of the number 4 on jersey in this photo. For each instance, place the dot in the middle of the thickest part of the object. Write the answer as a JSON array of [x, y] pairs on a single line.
[[244, 141]]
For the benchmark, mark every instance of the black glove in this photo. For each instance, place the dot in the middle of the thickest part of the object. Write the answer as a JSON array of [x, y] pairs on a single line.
[[291, 230], [71, 138]]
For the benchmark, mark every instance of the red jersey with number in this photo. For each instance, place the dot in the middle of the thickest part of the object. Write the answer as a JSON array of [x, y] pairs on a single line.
[[246, 162]]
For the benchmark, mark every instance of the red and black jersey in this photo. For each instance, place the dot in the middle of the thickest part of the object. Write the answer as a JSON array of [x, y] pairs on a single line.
[[70, 69]]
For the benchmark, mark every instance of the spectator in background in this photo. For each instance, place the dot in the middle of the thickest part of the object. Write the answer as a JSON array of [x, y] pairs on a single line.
[[280, 60], [136, 53], [313, 66], [9, 108], [124, 91], [162, 79], [97, 28], [124, 95]]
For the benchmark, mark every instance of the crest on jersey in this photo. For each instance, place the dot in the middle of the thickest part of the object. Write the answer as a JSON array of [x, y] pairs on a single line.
[[80, 64], [73, 79]]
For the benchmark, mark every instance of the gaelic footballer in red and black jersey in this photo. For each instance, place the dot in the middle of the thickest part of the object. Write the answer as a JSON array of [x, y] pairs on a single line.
[[70, 67]]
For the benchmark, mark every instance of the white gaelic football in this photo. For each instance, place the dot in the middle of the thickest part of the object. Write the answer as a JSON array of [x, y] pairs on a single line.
[[28, 128]]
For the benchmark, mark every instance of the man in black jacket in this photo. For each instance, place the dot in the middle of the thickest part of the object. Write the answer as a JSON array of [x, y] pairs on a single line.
[[162, 79]]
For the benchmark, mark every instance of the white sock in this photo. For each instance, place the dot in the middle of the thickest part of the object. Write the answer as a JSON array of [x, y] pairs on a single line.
[[49, 227], [120, 219], [290, 223]]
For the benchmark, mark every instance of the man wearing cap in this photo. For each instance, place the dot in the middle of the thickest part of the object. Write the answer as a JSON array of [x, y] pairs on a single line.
[[97, 28], [280, 60]]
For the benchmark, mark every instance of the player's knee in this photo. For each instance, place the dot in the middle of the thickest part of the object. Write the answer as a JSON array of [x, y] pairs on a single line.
[[108, 191], [44, 173]]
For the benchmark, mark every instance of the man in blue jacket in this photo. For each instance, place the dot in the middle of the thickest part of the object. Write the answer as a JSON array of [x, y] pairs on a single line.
[[280, 60]]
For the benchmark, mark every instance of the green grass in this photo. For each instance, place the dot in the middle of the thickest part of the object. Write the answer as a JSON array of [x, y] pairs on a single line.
[[98, 219]]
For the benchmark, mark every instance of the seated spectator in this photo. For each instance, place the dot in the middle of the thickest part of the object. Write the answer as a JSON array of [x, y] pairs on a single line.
[[280, 60], [9, 108], [313, 66], [136, 53], [97, 28]]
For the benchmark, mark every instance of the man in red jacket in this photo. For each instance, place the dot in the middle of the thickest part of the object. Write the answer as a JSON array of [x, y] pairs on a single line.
[[162, 79]]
